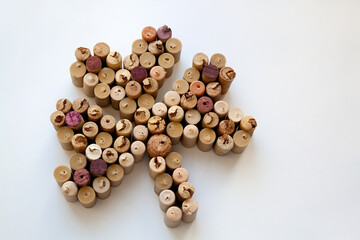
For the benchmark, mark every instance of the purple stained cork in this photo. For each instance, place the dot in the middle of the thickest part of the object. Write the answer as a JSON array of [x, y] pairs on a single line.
[[139, 73], [164, 33], [73, 119], [98, 167], [82, 177], [93, 64], [205, 105], [211, 72]]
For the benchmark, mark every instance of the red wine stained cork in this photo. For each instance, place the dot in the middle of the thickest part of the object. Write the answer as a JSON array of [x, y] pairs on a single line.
[[248, 124], [163, 181], [189, 210], [122, 77], [210, 73], [223, 145], [115, 174], [64, 105], [206, 139], [191, 75], [156, 47], [146, 101], [127, 108], [192, 116], [159, 109], [241, 140], [173, 46], [181, 86], [200, 60], [180, 175], [235, 114], [74, 120], [62, 174], [173, 217], [64, 135], [79, 142], [164, 33], [117, 93], [198, 88], [166, 199], [104, 140], [126, 161], [102, 94], [101, 50], [122, 144], [175, 114], [147, 60], [150, 86], [114, 60], [159, 145], [156, 125], [57, 119], [131, 61], [174, 130], [138, 149], [94, 113], [82, 54], [93, 152], [205, 105], [173, 161], [188, 101], [171, 98], [124, 128], [185, 191], [141, 116], [90, 130], [221, 108], [98, 167], [157, 165], [107, 75], [167, 61], [133, 90], [82, 177], [81, 106], [210, 120], [77, 161], [87, 197], [138, 74], [148, 33], [90, 82], [110, 155], [77, 73], [158, 73], [226, 127], [69, 191], [190, 136], [107, 124], [101, 186], [139, 46], [218, 60], [213, 90], [93, 64], [226, 76]]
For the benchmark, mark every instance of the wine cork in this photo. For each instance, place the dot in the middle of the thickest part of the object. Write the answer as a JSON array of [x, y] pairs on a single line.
[[147, 60], [226, 76], [226, 127], [117, 93], [146, 101], [122, 77], [77, 73], [57, 119], [173, 161], [204, 105], [127, 108], [94, 113], [171, 98], [159, 145], [133, 90], [104, 140], [221, 108], [101, 50], [223, 145], [150, 86], [140, 133], [77, 161], [64, 135], [188, 100], [98, 167], [122, 144], [115, 174], [173, 46], [90, 82], [159, 109], [190, 135], [209, 74], [235, 114], [141, 116], [213, 90], [139, 46], [198, 88], [62, 174], [110, 155], [156, 48], [107, 124], [124, 128], [181, 86], [173, 217], [138, 74], [174, 130], [82, 177], [80, 105], [206, 139], [200, 60], [185, 191], [158, 73], [127, 161], [102, 94], [248, 124], [166, 199], [148, 34], [69, 191], [156, 125], [138, 149], [163, 181], [191, 75], [241, 140], [93, 64], [157, 165], [175, 114], [79, 142], [74, 120], [189, 210], [101, 186], [82, 54], [93, 152], [64, 105], [210, 120], [107, 76], [90, 130], [180, 175], [164, 33], [218, 60], [167, 61], [114, 60], [87, 197], [131, 61], [192, 117]]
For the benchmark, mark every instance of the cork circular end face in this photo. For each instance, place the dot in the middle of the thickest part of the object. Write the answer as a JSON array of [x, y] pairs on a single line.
[[91, 80], [77, 161], [191, 75], [198, 88], [126, 160], [181, 86], [225, 142], [241, 138], [180, 175], [192, 117], [128, 105], [93, 64], [158, 73], [94, 112], [213, 89], [166, 60], [77, 69], [131, 61], [189, 206], [210, 120], [139, 73], [82, 54], [115, 172], [122, 77], [107, 75], [139, 46], [205, 104], [186, 190], [110, 155], [79, 140], [174, 214], [167, 197], [147, 60], [58, 118], [211, 71], [65, 134], [173, 45], [248, 123], [80, 105], [156, 125], [174, 129], [146, 101], [73, 119], [62, 173], [82, 177], [173, 160], [63, 105], [226, 127], [207, 135], [101, 50], [218, 60], [101, 184], [93, 152], [102, 91], [122, 144], [149, 33], [227, 74], [200, 60], [86, 195], [156, 48], [164, 33], [159, 145], [163, 181], [117, 93], [104, 140]]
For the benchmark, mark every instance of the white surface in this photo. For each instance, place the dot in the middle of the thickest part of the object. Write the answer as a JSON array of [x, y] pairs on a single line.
[[297, 65]]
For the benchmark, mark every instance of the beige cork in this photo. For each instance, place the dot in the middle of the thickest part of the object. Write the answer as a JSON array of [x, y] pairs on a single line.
[[226, 76], [157, 165], [77, 73], [117, 93], [226, 127], [181, 86], [185, 191], [200, 60], [93, 152], [87, 196], [81, 105], [163, 181], [191, 75], [133, 90], [141, 116], [131, 61], [62, 174], [82, 54], [159, 109], [150, 86], [115, 173], [171, 98], [235, 114], [147, 60], [64, 105], [122, 77], [101, 186], [79, 142], [175, 114], [107, 124], [188, 101], [64, 135], [146, 101], [126, 161], [104, 140], [90, 82], [139, 46], [158, 73], [173, 217], [221, 108], [124, 128], [173, 161], [114, 60], [110, 155], [210, 120], [69, 191], [102, 94], [192, 117], [189, 210], [174, 130], [101, 50], [156, 47], [206, 139], [166, 199], [241, 140], [173, 46], [167, 61], [90, 130], [138, 150], [218, 60], [127, 108], [122, 144], [156, 125], [180, 175], [140, 133], [94, 113], [248, 124], [57, 119], [77, 161], [190, 135], [159, 145], [223, 145], [213, 90], [107, 76]]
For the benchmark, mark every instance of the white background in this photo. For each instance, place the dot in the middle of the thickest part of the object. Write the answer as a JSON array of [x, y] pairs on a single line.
[[298, 74]]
